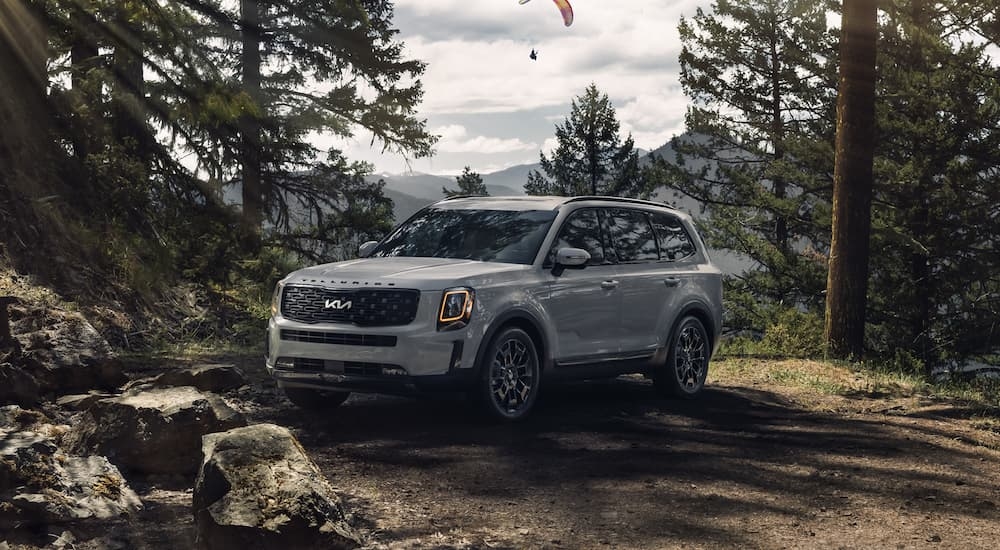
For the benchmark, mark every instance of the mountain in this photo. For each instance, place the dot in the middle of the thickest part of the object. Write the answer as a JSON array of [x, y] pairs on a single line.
[[511, 179]]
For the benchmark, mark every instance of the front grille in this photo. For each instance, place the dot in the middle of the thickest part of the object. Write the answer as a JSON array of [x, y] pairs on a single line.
[[373, 340], [367, 307]]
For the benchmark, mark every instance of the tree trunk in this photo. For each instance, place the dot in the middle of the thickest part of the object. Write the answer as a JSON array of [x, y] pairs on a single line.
[[24, 110], [127, 116], [83, 58], [253, 187], [847, 282]]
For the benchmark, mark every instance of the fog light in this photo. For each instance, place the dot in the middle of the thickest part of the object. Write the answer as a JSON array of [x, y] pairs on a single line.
[[393, 371], [284, 363]]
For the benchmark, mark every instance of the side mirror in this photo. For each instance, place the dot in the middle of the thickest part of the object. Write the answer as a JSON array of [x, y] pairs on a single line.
[[572, 258], [366, 248]]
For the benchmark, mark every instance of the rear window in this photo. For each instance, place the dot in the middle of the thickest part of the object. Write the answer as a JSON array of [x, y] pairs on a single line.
[[675, 243]]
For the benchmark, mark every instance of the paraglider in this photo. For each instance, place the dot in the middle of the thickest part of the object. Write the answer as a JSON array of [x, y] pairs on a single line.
[[564, 8], [533, 55]]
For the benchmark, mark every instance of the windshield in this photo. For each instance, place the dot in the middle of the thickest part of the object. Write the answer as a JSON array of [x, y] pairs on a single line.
[[486, 235]]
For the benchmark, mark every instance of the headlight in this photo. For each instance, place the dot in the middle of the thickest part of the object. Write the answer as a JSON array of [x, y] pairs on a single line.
[[276, 298], [456, 308]]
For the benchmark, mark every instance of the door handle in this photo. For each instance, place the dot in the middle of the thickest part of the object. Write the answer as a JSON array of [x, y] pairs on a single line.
[[671, 281], [609, 285]]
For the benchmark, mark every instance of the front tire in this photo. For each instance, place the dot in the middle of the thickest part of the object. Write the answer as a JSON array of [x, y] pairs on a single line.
[[315, 400], [509, 376], [686, 367]]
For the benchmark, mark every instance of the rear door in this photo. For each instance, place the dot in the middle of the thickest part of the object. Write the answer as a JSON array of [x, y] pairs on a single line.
[[643, 279], [656, 266]]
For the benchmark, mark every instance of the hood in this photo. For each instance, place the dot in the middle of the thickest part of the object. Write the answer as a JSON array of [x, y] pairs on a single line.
[[406, 272]]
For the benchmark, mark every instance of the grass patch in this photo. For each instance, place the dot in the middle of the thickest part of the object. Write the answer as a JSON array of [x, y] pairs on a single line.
[[868, 380]]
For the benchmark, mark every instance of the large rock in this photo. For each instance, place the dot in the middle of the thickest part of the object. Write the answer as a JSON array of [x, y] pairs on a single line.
[[153, 431], [216, 378], [257, 488], [17, 386], [63, 352], [42, 485]]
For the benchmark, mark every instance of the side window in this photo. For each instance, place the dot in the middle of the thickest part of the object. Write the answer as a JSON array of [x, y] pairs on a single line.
[[581, 230], [675, 243], [633, 238]]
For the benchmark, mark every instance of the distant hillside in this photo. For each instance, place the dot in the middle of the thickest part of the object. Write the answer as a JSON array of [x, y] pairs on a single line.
[[403, 205], [511, 179]]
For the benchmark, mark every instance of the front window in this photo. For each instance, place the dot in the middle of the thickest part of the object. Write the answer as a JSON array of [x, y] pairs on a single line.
[[581, 230], [486, 235]]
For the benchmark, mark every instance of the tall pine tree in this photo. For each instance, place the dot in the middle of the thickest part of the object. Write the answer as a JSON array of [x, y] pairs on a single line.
[[757, 152], [590, 157], [935, 284]]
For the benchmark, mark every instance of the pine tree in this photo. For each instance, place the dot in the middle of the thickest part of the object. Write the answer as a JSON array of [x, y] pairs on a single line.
[[590, 158], [935, 288], [469, 183], [758, 145], [347, 48]]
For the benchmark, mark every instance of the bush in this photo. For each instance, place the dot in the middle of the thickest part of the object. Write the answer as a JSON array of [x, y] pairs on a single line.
[[788, 332]]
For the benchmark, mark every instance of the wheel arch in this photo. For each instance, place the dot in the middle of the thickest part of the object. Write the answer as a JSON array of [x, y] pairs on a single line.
[[525, 321], [701, 312]]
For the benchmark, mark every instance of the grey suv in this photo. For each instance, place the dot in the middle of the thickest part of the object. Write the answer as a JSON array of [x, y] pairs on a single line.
[[497, 296]]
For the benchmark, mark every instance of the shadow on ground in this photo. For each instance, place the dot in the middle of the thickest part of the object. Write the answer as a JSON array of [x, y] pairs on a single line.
[[611, 463]]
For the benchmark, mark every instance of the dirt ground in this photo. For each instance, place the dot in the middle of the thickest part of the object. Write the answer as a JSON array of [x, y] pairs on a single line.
[[611, 465]]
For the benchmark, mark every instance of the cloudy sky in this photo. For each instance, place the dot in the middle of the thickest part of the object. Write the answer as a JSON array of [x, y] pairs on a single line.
[[494, 107]]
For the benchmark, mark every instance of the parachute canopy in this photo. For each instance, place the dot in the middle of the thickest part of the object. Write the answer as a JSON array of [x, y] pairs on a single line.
[[564, 8]]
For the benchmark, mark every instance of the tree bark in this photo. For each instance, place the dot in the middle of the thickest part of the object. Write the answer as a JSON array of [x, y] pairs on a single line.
[[253, 186], [83, 58], [24, 110], [847, 281], [128, 119]]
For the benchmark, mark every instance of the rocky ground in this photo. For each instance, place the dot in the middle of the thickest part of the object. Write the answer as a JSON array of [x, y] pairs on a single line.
[[600, 465], [610, 464]]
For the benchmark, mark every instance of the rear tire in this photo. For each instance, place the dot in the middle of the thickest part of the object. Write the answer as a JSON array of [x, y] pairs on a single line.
[[316, 400], [683, 375], [509, 376]]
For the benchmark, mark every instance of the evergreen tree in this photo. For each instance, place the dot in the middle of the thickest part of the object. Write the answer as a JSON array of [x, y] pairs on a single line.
[[935, 281], [758, 148], [350, 49], [590, 158], [469, 183]]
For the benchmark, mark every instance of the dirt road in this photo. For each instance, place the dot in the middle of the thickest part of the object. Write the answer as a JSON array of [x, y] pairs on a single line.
[[611, 465]]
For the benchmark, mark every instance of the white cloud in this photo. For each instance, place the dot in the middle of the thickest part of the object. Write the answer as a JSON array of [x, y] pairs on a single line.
[[492, 105], [653, 119], [455, 139]]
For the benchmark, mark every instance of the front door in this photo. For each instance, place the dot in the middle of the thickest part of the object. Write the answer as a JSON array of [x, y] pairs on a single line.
[[584, 304]]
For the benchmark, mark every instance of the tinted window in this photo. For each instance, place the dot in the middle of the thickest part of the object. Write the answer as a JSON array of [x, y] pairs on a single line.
[[485, 235], [633, 238], [675, 243], [581, 230]]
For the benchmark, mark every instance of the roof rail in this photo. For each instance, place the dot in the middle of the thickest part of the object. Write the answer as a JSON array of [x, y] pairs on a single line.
[[618, 199], [463, 197]]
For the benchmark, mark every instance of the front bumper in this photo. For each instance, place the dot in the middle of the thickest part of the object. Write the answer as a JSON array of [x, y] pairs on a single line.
[[401, 359]]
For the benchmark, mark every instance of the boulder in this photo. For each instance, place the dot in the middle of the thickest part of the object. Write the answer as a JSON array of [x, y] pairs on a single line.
[[155, 431], [257, 488], [17, 386], [64, 353], [209, 377], [41, 485], [82, 401]]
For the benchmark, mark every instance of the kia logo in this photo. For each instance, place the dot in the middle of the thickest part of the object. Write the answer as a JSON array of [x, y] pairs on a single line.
[[337, 304]]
